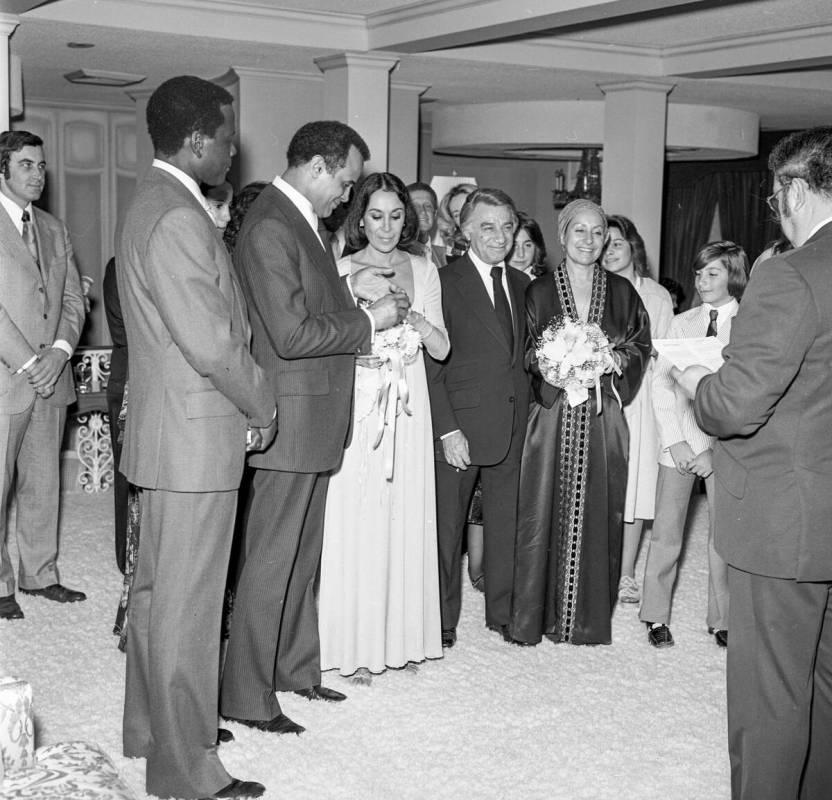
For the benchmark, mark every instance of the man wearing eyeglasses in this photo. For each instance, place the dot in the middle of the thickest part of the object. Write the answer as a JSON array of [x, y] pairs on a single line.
[[771, 407]]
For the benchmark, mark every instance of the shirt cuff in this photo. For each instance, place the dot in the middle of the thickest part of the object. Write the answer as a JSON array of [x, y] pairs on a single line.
[[449, 433], [372, 325], [60, 344], [27, 364]]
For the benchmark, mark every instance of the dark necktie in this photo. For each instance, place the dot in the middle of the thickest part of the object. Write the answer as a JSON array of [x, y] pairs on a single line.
[[712, 323], [502, 307], [29, 237]]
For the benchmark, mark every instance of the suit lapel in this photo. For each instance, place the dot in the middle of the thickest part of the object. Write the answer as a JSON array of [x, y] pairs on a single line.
[[476, 298], [517, 290], [321, 257], [13, 242]]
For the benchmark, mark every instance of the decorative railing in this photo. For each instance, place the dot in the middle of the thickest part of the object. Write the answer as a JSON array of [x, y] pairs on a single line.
[[91, 370]]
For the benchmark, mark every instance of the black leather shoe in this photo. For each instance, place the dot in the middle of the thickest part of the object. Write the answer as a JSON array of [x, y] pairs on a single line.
[[659, 636], [279, 724], [321, 693], [224, 736], [56, 592], [721, 636], [449, 637], [239, 789], [9, 609]]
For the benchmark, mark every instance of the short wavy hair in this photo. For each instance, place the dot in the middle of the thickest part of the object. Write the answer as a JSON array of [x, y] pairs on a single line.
[[182, 106], [486, 197], [14, 142], [633, 237], [732, 257], [327, 138], [386, 182], [807, 155]]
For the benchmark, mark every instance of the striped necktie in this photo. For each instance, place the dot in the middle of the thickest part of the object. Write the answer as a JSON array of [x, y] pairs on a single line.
[[713, 313]]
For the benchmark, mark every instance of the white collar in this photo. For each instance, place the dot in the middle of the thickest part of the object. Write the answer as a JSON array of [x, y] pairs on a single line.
[[299, 201], [15, 211], [729, 309], [186, 180], [818, 227], [483, 268]]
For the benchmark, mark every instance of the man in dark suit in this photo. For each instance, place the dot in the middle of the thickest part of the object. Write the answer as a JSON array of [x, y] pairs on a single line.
[[479, 401], [307, 331], [115, 398], [195, 393], [41, 316], [770, 404]]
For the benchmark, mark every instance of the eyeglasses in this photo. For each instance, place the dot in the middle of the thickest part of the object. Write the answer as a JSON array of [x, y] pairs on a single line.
[[770, 202]]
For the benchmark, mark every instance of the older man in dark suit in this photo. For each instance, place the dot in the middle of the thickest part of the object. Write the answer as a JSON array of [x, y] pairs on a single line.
[[771, 406], [41, 316], [307, 331], [195, 392], [479, 399]]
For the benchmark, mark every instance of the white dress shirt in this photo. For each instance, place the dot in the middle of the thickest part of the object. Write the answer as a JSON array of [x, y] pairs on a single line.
[[484, 271], [674, 411]]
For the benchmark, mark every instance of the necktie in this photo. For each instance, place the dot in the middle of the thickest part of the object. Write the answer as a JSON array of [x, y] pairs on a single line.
[[29, 237], [712, 323], [502, 307]]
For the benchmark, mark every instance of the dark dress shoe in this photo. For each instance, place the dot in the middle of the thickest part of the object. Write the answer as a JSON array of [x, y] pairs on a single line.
[[279, 724], [449, 637], [321, 693], [660, 636], [479, 583], [224, 736], [9, 609], [57, 593], [721, 636], [238, 788]]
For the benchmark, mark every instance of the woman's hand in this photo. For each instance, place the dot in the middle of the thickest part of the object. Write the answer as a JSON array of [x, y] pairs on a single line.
[[702, 464], [682, 455]]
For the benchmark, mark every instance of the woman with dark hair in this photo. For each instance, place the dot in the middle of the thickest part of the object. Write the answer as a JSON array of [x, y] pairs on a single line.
[[528, 253], [237, 211], [572, 476], [624, 255], [379, 586]]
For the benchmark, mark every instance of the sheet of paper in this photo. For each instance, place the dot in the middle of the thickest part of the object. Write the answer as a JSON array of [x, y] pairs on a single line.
[[683, 353]]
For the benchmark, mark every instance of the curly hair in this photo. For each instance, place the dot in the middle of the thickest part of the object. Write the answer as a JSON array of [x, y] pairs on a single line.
[[14, 142], [329, 139], [385, 182], [805, 154], [239, 206], [181, 106], [633, 237]]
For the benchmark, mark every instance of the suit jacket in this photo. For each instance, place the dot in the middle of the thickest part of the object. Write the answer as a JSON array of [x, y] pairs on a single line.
[[115, 322], [306, 333], [37, 306], [771, 406], [193, 383], [482, 386]]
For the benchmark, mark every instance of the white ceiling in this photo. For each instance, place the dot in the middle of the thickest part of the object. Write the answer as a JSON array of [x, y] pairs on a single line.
[[771, 57]]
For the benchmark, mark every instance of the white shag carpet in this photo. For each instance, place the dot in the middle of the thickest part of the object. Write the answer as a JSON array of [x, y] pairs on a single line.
[[489, 721]]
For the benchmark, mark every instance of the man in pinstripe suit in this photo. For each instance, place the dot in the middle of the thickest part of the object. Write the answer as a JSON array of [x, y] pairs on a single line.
[[307, 331]]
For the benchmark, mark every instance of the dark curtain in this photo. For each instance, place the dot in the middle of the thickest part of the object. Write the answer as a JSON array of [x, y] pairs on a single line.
[[743, 215], [688, 216]]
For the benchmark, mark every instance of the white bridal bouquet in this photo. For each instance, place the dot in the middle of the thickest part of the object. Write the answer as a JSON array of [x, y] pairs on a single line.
[[573, 355]]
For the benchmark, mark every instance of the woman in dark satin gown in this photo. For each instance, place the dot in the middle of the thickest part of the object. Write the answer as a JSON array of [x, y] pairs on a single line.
[[574, 470]]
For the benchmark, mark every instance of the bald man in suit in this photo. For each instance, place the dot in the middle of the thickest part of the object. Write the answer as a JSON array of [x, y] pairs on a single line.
[[41, 316]]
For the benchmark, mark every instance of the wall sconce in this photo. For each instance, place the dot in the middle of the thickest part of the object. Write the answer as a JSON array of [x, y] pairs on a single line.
[[587, 181]]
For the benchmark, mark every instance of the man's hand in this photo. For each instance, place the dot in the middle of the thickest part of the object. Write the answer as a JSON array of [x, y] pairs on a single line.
[[371, 283], [261, 438], [455, 446], [44, 373], [682, 455], [701, 464], [390, 310], [689, 379]]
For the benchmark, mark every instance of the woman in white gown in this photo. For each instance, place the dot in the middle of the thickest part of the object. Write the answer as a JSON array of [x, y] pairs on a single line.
[[379, 587]]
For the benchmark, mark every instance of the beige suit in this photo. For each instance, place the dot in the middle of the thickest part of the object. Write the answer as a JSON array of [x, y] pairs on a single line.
[[194, 388], [37, 306]]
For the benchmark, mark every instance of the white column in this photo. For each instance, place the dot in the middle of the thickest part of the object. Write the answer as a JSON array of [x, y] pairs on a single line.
[[8, 23], [357, 91], [632, 173], [403, 131]]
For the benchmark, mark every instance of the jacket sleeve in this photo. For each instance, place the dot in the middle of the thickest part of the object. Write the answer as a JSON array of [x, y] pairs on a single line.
[[774, 328], [72, 304]]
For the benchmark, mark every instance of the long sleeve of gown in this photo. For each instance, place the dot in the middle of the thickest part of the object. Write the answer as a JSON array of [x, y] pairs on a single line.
[[627, 326], [436, 341]]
